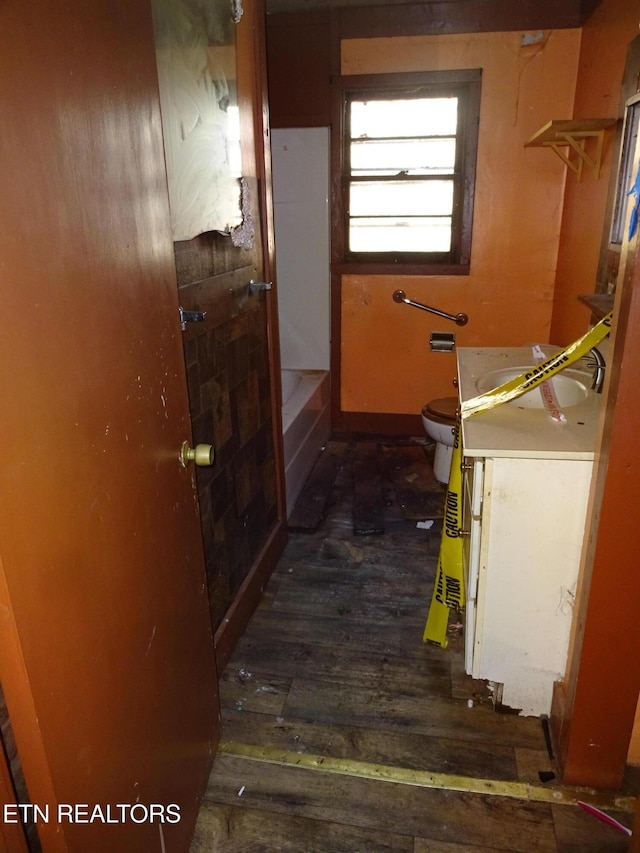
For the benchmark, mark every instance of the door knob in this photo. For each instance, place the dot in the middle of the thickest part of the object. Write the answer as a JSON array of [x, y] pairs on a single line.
[[201, 454]]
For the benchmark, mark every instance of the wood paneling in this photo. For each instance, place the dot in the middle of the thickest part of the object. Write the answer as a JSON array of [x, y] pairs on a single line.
[[298, 55], [465, 16]]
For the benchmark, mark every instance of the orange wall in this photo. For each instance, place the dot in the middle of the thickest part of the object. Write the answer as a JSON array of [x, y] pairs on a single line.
[[386, 363], [602, 58]]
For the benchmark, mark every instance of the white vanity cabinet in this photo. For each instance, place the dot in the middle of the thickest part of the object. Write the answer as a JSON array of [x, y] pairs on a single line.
[[524, 512], [521, 561]]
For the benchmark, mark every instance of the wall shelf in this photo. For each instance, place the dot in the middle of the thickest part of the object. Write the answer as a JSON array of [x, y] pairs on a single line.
[[573, 134], [599, 303]]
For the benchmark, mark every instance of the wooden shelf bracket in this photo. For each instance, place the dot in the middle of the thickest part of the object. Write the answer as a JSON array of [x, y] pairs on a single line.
[[568, 138]]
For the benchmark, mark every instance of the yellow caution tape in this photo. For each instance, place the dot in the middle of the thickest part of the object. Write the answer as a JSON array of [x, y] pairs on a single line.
[[448, 591]]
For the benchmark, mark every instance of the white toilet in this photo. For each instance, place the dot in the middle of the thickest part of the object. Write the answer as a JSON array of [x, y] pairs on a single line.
[[439, 420]]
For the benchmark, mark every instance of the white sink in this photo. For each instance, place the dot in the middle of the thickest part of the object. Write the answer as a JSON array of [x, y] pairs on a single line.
[[571, 387]]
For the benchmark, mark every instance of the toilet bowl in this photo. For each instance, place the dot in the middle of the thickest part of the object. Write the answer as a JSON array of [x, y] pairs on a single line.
[[439, 420]]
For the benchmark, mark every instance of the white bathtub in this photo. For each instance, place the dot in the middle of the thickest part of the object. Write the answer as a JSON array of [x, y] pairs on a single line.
[[306, 425]]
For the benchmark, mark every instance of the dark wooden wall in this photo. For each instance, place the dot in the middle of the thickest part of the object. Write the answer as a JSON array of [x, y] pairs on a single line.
[[299, 69]]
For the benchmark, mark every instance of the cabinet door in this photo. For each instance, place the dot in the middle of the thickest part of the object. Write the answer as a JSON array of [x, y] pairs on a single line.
[[533, 522]]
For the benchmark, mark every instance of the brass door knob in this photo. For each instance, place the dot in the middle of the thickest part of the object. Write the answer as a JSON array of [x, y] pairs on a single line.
[[202, 454]]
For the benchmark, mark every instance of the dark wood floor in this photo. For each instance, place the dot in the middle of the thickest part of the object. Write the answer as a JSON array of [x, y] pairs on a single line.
[[343, 732]]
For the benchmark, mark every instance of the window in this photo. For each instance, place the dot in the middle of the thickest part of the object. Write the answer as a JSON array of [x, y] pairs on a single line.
[[408, 170]]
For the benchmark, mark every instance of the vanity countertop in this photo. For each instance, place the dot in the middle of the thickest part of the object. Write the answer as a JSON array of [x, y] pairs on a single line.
[[513, 431]]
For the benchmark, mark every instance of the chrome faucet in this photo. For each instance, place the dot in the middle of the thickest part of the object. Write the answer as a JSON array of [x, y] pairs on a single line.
[[595, 359]]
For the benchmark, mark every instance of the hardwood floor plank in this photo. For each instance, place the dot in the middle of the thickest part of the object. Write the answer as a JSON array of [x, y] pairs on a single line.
[[531, 762], [364, 635], [505, 824], [408, 711], [392, 748], [340, 665], [423, 845], [234, 829], [419, 495], [368, 514], [312, 571], [579, 832], [249, 692], [384, 600], [310, 576], [309, 510], [404, 540]]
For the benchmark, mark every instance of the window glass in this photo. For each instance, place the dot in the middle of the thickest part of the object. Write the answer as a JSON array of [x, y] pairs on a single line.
[[404, 235], [397, 198], [409, 169], [411, 156], [404, 117]]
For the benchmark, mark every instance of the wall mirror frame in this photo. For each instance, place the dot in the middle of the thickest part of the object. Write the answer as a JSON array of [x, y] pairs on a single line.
[[621, 178], [624, 176]]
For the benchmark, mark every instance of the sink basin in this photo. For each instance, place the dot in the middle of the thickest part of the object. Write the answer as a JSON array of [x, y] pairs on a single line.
[[571, 387]]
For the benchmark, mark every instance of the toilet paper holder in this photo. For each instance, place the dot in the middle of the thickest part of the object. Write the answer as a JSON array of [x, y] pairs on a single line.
[[442, 341]]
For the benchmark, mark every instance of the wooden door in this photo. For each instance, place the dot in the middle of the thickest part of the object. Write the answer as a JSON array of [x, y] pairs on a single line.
[[106, 656]]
